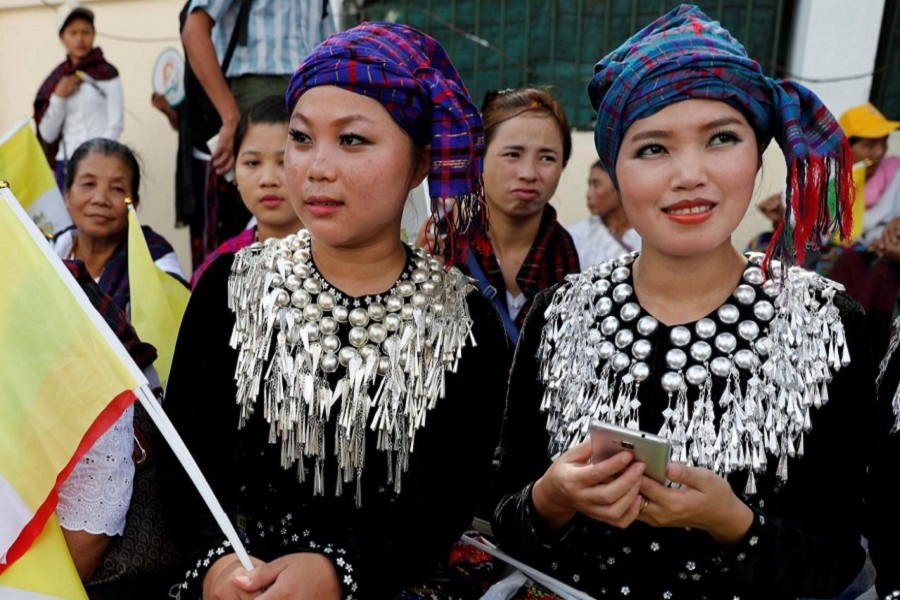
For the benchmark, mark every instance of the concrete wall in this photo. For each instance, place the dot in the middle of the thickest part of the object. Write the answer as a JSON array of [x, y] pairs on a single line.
[[833, 49]]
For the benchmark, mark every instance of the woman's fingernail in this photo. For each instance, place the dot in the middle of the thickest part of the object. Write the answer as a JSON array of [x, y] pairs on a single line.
[[243, 579]]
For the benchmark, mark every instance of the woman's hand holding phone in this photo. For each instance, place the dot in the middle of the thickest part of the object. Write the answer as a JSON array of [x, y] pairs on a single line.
[[606, 491], [703, 500]]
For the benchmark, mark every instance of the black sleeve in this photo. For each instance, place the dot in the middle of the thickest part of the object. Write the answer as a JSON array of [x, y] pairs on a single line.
[[524, 442], [806, 541], [882, 512], [391, 540], [199, 396], [449, 470], [810, 544]]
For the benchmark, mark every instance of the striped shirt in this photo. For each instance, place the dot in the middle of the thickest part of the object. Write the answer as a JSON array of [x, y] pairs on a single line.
[[280, 33]]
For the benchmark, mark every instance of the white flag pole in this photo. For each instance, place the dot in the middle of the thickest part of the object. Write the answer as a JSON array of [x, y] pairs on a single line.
[[554, 585], [144, 394]]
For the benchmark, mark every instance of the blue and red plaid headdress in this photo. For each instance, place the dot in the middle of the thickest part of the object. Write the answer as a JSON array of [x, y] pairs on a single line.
[[685, 54], [410, 74]]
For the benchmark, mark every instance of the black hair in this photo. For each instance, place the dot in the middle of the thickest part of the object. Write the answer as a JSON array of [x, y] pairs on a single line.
[[106, 147], [499, 107], [598, 164], [76, 15], [271, 110]]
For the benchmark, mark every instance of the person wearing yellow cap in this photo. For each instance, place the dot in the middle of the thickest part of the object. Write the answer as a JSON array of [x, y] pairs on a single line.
[[868, 130]]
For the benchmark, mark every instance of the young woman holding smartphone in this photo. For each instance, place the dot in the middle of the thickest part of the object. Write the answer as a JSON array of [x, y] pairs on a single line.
[[757, 372]]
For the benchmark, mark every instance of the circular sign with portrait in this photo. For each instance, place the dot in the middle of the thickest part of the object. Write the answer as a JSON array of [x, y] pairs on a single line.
[[168, 76]]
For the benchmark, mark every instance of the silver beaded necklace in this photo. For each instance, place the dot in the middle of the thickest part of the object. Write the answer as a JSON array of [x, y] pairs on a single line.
[[389, 375], [594, 358]]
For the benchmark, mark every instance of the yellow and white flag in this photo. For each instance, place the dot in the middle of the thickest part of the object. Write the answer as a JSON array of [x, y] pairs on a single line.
[[24, 166], [45, 572], [158, 300], [66, 379]]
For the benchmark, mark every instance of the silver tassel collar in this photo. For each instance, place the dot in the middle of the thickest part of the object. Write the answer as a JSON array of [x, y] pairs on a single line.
[[882, 369], [595, 356], [389, 375]]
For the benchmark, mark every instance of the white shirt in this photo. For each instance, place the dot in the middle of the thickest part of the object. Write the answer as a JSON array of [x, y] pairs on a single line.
[[84, 115], [514, 304], [596, 244], [96, 496]]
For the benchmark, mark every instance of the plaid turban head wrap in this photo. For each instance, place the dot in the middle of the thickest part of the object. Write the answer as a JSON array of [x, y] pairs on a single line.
[[685, 54], [410, 74]]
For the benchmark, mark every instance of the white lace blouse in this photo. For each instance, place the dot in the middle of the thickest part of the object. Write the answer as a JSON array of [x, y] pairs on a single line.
[[96, 496]]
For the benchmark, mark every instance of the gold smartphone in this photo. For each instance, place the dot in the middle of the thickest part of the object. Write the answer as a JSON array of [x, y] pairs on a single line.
[[608, 440]]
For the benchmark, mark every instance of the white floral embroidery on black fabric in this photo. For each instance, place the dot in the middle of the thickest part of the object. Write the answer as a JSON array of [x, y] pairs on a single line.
[[345, 570], [203, 564]]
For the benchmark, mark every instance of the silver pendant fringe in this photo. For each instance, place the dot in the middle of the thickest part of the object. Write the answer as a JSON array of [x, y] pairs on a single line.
[[389, 375], [594, 360]]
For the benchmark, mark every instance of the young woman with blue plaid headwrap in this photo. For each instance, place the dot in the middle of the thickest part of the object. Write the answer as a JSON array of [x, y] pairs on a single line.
[[347, 366], [742, 362]]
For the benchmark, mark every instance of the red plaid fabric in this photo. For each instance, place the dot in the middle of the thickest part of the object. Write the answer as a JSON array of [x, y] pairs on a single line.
[[685, 54], [143, 353], [410, 74], [551, 258]]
